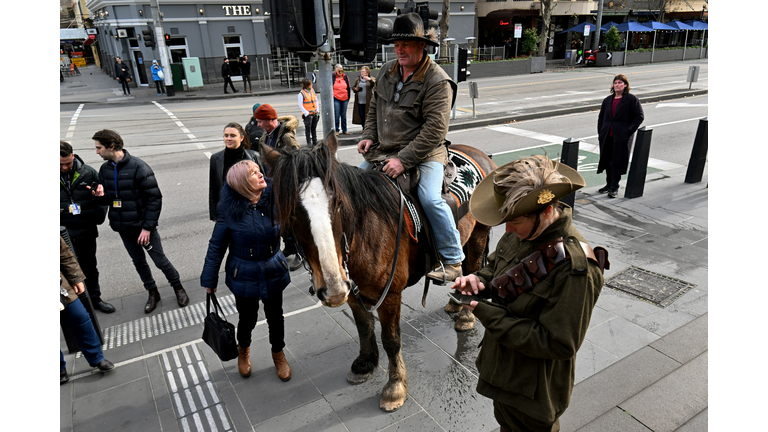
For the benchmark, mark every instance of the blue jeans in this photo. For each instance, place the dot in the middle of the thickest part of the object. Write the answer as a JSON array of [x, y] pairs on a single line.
[[439, 214], [340, 110], [136, 251], [81, 324]]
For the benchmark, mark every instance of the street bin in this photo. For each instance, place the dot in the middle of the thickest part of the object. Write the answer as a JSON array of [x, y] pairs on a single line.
[[178, 79], [193, 72], [570, 57]]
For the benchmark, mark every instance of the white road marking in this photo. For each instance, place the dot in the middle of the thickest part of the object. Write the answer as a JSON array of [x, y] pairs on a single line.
[[679, 105], [181, 126], [73, 122]]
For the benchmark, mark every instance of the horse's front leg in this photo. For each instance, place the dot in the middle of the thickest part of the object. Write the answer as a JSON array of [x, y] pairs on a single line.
[[368, 359], [395, 391]]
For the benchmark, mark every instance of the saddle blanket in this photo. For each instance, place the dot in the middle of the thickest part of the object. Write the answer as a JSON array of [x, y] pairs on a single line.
[[468, 176]]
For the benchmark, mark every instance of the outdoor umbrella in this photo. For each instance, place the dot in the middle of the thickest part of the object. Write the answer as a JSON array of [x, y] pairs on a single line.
[[607, 26], [681, 26], [655, 25], [579, 28], [630, 26], [700, 25]]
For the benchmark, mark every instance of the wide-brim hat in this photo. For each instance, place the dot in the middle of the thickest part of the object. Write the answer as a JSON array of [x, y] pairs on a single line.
[[410, 27], [486, 201]]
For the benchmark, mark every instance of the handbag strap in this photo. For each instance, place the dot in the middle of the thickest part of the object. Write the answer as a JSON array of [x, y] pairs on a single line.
[[211, 297]]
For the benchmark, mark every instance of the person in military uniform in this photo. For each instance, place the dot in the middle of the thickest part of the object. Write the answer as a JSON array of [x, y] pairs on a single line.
[[537, 292]]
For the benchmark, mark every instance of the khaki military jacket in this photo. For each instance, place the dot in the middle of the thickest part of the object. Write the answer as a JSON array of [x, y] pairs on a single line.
[[528, 354], [412, 129], [69, 271]]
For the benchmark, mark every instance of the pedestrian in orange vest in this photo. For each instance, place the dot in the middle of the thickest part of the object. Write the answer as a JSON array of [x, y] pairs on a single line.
[[310, 111]]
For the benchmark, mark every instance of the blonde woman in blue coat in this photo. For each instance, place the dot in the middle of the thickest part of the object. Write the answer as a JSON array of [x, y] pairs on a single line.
[[255, 268]]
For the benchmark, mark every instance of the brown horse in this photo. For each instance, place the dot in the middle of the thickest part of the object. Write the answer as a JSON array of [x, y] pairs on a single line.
[[345, 221]]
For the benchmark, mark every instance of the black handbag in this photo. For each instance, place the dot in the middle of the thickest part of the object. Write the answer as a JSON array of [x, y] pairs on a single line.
[[219, 333]]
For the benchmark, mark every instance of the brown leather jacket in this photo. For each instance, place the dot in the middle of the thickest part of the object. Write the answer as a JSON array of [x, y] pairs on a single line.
[[412, 129], [69, 271]]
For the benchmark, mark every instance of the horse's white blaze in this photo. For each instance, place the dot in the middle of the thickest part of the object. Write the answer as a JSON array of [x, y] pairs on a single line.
[[315, 200]]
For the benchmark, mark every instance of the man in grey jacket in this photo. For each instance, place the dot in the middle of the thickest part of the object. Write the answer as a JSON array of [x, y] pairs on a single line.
[[406, 127]]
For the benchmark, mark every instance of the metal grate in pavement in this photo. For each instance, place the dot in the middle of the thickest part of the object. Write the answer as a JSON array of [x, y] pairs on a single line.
[[195, 400], [652, 287]]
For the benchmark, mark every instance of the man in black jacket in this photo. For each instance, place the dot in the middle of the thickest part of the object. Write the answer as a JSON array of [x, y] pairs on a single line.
[[80, 213], [122, 74], [135, 201], [245, 71], [226, 73]]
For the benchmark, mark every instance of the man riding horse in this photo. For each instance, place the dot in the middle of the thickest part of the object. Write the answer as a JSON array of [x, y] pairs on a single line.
[[406, 127]]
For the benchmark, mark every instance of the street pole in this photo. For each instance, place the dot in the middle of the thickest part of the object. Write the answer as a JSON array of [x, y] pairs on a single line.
[[324, 28], [596, 42], [160, 41]]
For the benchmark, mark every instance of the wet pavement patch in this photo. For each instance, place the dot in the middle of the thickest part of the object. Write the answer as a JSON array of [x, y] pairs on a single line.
[[652, 287]]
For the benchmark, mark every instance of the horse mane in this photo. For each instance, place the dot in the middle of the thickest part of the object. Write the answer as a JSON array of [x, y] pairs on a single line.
[[354, 192]]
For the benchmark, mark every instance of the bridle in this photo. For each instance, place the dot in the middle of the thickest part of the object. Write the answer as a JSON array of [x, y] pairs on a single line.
[[344, 243]]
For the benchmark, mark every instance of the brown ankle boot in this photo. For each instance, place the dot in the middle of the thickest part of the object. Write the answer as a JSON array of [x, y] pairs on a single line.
[[244, 361], [281, 364]]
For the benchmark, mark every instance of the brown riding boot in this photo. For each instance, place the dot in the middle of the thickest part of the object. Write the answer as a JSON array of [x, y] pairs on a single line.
[[281, 364], [244, 361]]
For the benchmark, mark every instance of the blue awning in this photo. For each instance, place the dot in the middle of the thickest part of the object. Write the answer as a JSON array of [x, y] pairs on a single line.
[[680, 25], [655, 25], [632, 26]]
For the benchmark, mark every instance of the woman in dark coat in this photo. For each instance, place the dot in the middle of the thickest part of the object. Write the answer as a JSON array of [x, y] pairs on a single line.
[[237, 148], [363, 89], [620, 116], [255, 268]]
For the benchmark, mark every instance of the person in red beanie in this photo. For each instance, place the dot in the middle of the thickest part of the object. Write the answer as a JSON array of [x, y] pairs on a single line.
[[279, 133]]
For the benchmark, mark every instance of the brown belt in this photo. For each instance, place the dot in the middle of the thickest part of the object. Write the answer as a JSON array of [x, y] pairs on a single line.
[[522, 277]]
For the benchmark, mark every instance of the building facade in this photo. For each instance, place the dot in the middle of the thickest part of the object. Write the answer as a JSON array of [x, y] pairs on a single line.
[[496, 19], [211, 31]]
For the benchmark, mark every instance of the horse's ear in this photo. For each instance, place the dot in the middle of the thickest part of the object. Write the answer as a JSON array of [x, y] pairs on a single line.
[[331, 142], [270, 156]]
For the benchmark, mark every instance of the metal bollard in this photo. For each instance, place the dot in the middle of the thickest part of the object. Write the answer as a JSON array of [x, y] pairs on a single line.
[[570, 157], [638, 168], [698, 158]]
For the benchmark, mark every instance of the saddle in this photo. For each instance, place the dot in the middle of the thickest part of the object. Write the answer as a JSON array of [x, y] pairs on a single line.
[[455, 193]]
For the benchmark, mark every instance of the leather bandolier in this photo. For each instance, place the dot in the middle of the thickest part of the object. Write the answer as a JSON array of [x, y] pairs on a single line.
[[535, 267]]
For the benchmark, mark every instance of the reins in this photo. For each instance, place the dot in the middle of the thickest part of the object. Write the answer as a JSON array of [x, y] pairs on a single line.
[[345, 258]]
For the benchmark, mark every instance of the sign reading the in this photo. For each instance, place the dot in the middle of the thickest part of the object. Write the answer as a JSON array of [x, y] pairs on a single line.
[[236, 10]]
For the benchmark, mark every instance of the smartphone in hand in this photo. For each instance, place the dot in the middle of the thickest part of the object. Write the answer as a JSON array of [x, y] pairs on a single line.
[[464, 299]]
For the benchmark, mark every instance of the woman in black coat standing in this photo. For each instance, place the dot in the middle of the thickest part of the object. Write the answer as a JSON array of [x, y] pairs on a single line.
[[237, 148], [620, 116]]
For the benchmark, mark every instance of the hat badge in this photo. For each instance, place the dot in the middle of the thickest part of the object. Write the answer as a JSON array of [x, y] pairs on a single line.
[[545, 196]]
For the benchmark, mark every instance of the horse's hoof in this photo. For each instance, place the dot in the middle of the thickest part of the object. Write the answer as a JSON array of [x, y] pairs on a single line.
[[354, 378], [391, 406], [453, 307], [465, 321]]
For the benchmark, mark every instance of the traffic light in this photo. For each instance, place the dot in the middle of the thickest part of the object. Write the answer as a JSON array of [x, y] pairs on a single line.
[[463, 64], [292, 25], [149, 38], [167, 37], [361, 27]]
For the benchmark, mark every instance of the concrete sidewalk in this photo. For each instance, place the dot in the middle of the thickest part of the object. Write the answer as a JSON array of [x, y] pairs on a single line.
[[642, 366]]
